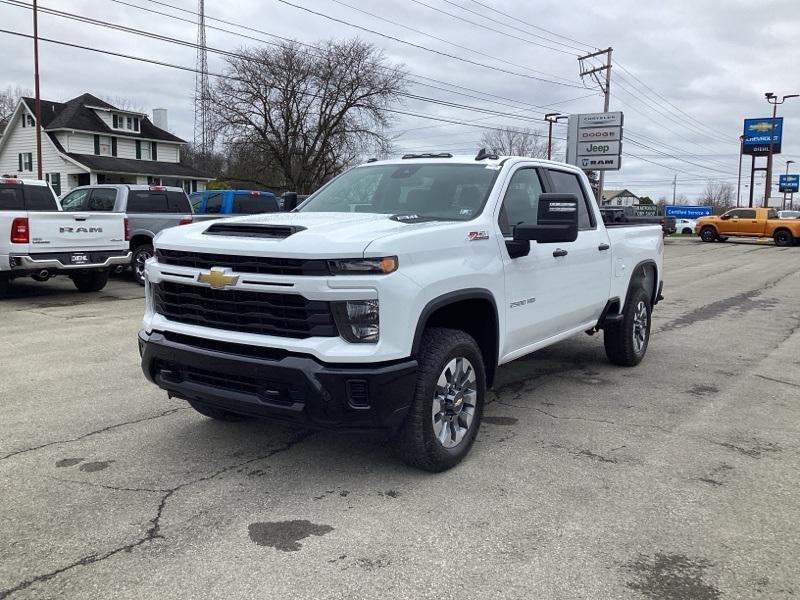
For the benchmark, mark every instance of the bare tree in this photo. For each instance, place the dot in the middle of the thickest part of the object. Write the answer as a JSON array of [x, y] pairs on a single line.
[[9, 98], [122, 103], [517, 142], [305, 117], [719, 195]]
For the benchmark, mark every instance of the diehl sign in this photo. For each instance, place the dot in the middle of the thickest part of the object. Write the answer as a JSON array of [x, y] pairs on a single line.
[[757, 134], [594, 148]]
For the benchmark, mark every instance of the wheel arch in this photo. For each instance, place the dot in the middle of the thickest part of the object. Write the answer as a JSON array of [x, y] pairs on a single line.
[[139, 239], [458, 310], [646, 273]]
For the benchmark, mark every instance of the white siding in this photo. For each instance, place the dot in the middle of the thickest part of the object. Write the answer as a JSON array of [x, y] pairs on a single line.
[[105, 116], [76, 142], [168, 152], [21, 139]]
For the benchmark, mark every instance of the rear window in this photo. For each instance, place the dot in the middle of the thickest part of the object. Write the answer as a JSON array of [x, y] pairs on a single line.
[[11, 198], [245, 204], [146, 201], [31, 198]]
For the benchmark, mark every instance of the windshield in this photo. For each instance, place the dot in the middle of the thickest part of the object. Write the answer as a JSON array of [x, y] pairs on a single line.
[[443, 191]]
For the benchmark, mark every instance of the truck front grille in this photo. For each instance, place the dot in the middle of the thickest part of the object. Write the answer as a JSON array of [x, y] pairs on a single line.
[[284, 315], [245, 264]]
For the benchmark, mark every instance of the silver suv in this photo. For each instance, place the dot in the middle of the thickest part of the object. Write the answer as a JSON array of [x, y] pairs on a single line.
[[150, 209]]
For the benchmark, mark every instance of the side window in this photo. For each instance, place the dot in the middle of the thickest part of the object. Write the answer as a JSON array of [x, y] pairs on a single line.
[[147, 202], [103, 199], [39, 198], [521, 202], [179, 203], [76, 200], [11, 198], [570, 183], [747, 214], [214, 204]]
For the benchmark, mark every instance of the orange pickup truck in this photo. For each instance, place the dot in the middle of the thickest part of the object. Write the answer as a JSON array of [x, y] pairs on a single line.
[[749, 222]]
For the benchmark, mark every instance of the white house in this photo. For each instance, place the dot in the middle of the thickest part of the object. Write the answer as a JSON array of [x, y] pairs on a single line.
[[619, 198], [86, 141]]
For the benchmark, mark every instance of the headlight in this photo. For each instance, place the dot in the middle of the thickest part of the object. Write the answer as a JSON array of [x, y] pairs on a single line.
[[364, 266], [357, 320]]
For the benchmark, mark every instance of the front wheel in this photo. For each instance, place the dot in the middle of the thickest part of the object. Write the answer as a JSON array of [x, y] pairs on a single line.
[[783, 237], [448, 402], [90, 282], [138, 260], [626, 341], [687, 231], [708, 234]]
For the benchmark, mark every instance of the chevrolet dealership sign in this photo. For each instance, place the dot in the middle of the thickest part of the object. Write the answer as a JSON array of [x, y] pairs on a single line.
[[594, 141]]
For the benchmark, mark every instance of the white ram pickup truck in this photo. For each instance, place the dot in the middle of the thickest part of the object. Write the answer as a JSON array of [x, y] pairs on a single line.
[[387, 300], [39, 240]]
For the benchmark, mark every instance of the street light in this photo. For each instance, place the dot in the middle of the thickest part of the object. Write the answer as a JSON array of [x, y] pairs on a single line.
[[772, 99], [739, 181], [552, 118], [788, 162]]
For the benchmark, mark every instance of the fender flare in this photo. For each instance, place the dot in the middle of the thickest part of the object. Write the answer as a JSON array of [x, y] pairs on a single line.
[[451, 298], [656, 291]]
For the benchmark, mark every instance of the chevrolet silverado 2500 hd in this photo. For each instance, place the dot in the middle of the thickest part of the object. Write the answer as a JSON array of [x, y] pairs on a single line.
[[39, 240], [387, 300]]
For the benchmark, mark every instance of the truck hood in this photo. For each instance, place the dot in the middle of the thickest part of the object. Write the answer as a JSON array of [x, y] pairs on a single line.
[[323, 235]]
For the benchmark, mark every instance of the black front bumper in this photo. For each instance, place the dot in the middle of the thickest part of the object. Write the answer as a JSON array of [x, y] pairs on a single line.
[[278, 385]]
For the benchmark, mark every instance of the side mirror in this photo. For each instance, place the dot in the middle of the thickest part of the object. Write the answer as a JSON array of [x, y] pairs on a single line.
[[557, 221], [289, 201], [725, 217]]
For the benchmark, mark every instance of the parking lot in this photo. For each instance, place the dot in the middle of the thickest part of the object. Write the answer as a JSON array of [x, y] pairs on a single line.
[[674, 480]]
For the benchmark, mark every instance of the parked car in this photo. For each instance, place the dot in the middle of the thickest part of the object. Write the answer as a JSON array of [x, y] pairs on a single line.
[[627, 214], [150, 209], [389, 298], [789, 214], [685, 226], [214, 204], [749, 222], [39, 240]]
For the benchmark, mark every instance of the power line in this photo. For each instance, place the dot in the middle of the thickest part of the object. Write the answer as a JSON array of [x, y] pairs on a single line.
[[425, 48]]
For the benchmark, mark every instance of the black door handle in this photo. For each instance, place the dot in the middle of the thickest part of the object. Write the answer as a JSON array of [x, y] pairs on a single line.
[[560, 252], [602, 247]]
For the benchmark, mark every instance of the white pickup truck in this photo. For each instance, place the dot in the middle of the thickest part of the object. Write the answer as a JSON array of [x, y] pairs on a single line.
[[387, 300], [39, 240]]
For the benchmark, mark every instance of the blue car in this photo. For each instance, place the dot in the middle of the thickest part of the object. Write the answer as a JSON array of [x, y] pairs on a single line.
[[234, 202]]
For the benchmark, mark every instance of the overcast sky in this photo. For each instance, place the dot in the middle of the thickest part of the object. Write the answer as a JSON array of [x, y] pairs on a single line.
[[711, 59]]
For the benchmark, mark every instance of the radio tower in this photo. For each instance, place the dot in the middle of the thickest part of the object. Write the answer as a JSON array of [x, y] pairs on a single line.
[[203, 142]]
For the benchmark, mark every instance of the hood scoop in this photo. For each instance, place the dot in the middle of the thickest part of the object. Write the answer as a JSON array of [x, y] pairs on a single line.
[[251, 230]]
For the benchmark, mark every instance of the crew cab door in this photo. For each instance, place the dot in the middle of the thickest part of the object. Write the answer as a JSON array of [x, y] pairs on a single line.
[[740, 221], [556, 287]]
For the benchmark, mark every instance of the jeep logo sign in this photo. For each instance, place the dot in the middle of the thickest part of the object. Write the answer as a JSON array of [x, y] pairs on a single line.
[[80, 230], [598, 148]]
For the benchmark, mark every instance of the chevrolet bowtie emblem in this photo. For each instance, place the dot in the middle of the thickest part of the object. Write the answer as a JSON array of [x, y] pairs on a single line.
[[218, 277]]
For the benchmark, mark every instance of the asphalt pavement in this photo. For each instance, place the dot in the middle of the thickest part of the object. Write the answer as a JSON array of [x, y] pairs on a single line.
[[677, 479]]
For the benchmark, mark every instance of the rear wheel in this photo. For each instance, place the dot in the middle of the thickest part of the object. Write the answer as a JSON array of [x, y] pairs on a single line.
[[687, 231], [138, 260], [217, 413], [783, 237], [708, 234], [626, 341], [90, 282], [448, 402]]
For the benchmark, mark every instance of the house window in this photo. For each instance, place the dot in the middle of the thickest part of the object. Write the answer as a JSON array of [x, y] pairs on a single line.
[[113, 146], [139, 149], [145, 148], [136, 123], [103, 145], [115, 121], [155, 151], [28, 121], [54, 179], [25, 161]]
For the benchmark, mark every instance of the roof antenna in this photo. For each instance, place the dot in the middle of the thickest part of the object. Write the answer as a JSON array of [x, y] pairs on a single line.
[[482, 154]]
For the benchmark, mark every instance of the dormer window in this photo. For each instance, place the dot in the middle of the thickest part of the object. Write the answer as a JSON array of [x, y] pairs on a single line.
[[125, 122]]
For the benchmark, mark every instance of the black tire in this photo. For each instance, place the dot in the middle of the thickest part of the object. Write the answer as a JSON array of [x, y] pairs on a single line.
[[90, 282], [5, 286], [416, 443], [721, 238], [140, 256], [217, 413], [687, 231], [618, 338], [783, 237], [708, 234]]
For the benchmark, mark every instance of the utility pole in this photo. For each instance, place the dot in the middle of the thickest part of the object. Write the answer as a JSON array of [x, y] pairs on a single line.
[[605, 88], [739, 180], [37, 100], [674, 187], [552, 118]]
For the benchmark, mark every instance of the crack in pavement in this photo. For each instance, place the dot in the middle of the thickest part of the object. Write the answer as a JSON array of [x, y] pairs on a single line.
[[154, 531], [784, 382], [95, 432]]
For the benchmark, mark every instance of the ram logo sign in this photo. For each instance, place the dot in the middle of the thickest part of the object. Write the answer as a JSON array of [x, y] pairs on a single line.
[[80, 230]]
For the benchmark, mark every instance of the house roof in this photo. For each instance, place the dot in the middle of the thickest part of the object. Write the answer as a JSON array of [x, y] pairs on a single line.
[[74, 114], [112, 164], [610, 194]]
